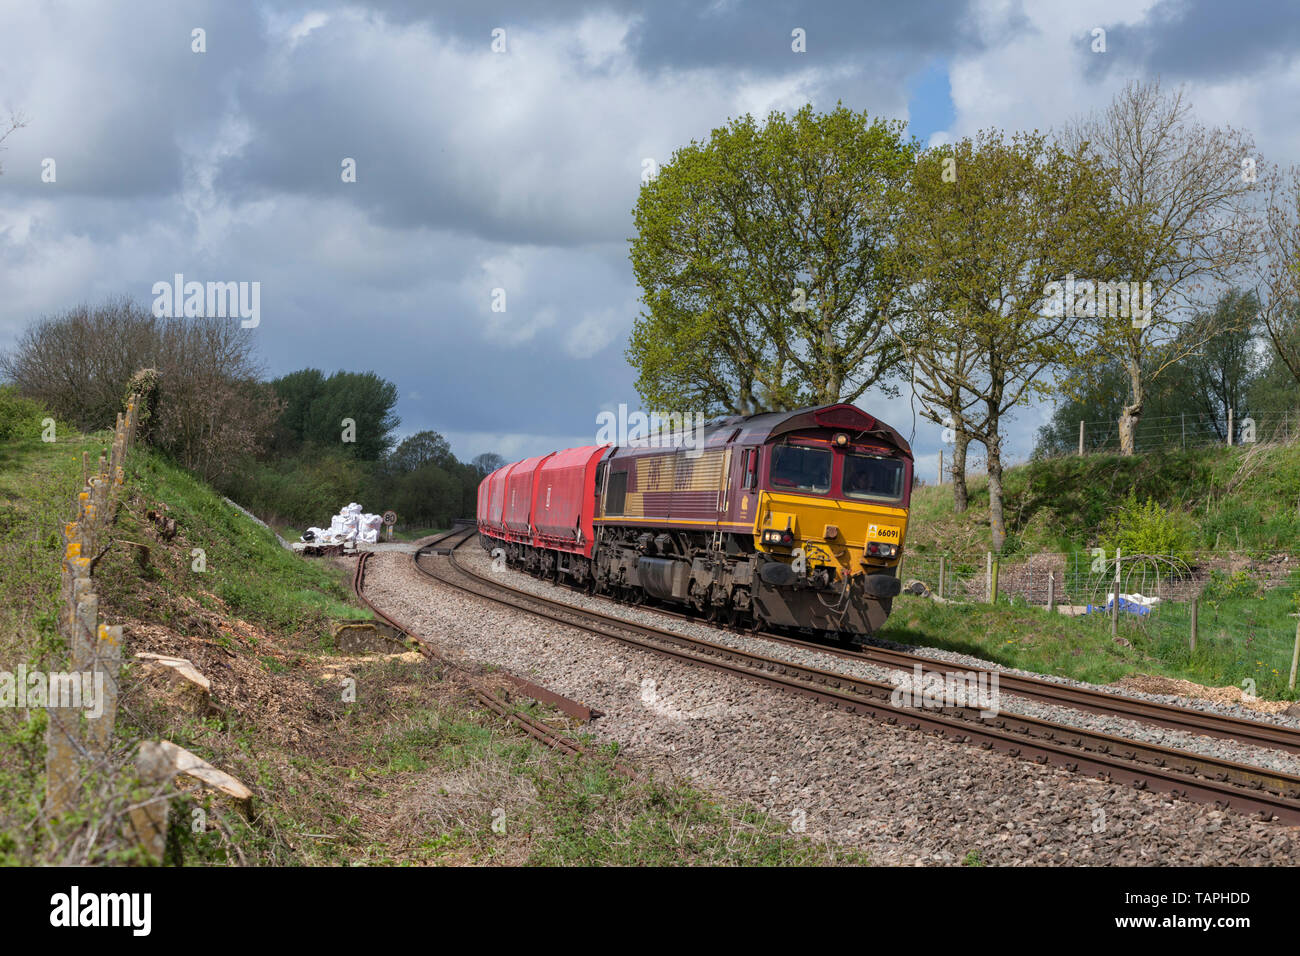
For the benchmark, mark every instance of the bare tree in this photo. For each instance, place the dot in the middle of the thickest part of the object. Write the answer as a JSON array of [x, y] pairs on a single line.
[[1277, 269], [1182, 192], [16, 122], [212, 409]]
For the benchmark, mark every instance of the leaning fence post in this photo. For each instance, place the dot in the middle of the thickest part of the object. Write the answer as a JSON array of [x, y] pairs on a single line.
[[1295, 656]]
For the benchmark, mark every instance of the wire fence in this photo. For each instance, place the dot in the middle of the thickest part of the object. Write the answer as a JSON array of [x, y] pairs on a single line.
[[1235, 612], [1191, 431]]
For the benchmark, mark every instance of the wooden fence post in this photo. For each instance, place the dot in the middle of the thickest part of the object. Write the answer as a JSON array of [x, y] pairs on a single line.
[[993, 597], [1114, 607], [942, 562], [1295, 656], [75, 743]]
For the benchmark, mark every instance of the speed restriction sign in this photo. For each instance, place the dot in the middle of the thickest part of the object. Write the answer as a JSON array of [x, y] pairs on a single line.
[[390, 518]]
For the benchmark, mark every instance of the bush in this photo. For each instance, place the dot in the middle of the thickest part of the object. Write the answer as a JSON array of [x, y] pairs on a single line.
[[1146, 528], [1224, 587], [20, 418], [205, 405]]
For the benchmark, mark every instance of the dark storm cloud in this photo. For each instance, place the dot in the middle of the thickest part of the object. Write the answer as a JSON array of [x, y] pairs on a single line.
[[753, 35], [756, 36], [1195, 39], [113, 103], [559, 172]]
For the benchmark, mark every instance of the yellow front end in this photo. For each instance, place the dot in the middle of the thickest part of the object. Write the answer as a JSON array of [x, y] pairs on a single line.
[[832, 533]]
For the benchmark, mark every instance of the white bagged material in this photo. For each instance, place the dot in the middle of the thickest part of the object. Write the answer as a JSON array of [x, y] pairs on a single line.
[[351, 524]]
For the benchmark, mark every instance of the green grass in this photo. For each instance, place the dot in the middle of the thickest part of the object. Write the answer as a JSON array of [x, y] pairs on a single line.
[[413, 771], [1240, 638], [1063, 504], [242, 562], [414, 534], [580, 811], [38, 482], [1217, 499]]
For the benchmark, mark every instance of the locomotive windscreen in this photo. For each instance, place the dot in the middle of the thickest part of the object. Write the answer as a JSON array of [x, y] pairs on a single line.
[[871, 476], [798, 468]]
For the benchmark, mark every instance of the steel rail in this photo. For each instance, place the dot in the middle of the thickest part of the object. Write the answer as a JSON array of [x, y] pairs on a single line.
[[1105, 703], [485, 695], [1208, 779]]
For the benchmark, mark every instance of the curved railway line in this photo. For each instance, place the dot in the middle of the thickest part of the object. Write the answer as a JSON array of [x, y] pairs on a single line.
[[486, 695], [1227, 784]]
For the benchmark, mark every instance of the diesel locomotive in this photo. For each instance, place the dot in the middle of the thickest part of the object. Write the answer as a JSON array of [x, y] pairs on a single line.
[[786, 519]]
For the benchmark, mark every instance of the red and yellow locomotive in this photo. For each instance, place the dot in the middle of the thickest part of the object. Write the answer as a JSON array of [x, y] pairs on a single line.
[[788, 519]]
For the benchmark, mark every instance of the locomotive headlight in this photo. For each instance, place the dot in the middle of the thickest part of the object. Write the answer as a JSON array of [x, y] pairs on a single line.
[[841, 439], [878, 550], [778, 537]]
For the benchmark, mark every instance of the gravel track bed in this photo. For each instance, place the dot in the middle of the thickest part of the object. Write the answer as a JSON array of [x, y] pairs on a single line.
[[472, 556], [905, 797]]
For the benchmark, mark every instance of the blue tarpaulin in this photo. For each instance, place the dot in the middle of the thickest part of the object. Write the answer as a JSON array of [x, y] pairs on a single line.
[[1131, 607]]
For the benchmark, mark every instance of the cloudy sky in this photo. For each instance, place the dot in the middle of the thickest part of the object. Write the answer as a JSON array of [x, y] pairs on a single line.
[[479, 170]]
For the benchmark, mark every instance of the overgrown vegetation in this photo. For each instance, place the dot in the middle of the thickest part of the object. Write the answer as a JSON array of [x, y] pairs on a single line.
[[1245, 497], [1210, 509], [1144, 527], [20, 418], [1245, 634], [409, 770]]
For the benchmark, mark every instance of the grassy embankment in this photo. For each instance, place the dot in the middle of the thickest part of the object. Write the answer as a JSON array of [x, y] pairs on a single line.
[[1218, 500], [411, 771]]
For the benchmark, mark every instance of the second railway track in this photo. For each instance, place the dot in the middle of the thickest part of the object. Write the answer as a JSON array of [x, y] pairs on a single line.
[[1241, 787]]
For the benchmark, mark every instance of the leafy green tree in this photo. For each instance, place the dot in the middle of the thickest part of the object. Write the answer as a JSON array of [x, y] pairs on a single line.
[[316, 407], [1274, 391], [1220, 373], [1190, 404], [992, 222], [422, 448], [767, 259]]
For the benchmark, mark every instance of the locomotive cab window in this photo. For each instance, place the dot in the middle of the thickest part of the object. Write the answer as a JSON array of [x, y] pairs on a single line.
[[873, 476], [616, 494], [798, 468]]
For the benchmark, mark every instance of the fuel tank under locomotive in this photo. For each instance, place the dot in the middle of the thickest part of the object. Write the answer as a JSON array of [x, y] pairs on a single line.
[[756, 589]]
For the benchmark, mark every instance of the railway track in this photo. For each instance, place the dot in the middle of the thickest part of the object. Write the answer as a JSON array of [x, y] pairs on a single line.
[[485, 695], [1092, 700], [1228, 784]]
